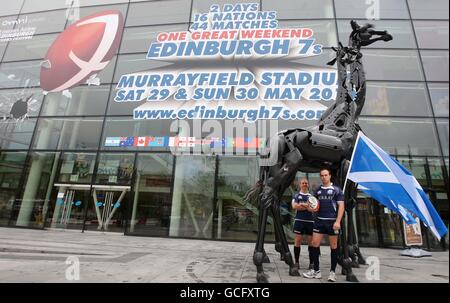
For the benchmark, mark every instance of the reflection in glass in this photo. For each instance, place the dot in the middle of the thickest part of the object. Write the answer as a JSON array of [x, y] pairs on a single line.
[[237, 219], [392, 65], [391, 227], [129, 64], [46, 22], [384, 9], [192, 203], [435, 64], [138, 39], [431, 9], [11, 7], [85, 100], [442, 126], [68, 133], [158, 12], [366, 223], [115, 169], [20, 74], [294, 9], [399, 136], [35, 6], [439, 98], [11, 167], [76, 168], [16, 134], [32, 49], [32, 209], [432, 34], [396, 99], [152, 200], [82, 12]]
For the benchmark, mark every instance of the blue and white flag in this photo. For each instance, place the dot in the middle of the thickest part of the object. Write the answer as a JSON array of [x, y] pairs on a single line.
[[387, 181]]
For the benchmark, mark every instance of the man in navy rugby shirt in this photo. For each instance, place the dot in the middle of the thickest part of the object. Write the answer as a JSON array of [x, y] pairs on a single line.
[[304, 221], [327, 222]]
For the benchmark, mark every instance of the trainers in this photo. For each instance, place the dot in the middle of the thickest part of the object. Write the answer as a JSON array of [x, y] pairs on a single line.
[[312, 274], [332, 276]]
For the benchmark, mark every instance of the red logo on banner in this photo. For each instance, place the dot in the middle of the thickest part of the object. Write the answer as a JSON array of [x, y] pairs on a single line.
[[82, 50]]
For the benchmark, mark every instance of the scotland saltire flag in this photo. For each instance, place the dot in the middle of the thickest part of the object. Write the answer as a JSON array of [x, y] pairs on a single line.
[[387, 181]]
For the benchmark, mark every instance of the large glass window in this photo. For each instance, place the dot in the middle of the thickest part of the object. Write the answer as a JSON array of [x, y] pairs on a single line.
[[32, 209], [10, 7], [400, 30], [236, 218], [115, 169], [20, 103], [392, 65], [431, 9], [435, 64], [159, 12], [192, 211], [85, 101], [16, 134], [68, 133], [152, 200], [399, 136], [38, 6], [396, 99], [439, 98], [432, 34], [391, 227], [442, 126], [138, 39], [82, 12], [382, 9], [46, 22], [11, 167], [76, 167], [20, 74], [129, 64], [324, 30], [366, 222], [294, 9], [36, 48]]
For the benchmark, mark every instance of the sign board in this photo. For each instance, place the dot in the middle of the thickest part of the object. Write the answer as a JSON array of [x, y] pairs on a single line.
[[413, 233], [234, 63]]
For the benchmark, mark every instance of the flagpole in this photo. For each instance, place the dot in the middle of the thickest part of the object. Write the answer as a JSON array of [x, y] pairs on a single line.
[[351, 160]]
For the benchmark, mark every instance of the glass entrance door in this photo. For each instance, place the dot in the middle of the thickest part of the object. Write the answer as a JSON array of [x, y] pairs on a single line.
[[69, 207], [106, 211]]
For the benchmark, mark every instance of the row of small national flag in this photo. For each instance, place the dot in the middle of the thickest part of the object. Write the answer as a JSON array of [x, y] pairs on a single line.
[[178, 141]]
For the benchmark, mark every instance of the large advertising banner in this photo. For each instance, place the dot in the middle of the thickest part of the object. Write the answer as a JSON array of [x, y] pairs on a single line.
[[233, 63]]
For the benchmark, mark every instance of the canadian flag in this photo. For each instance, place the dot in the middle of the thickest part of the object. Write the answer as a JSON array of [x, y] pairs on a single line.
[[141, 141]]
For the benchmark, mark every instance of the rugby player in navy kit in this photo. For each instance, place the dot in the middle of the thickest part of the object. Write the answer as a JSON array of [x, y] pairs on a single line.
[[304, 221], [327, 222]]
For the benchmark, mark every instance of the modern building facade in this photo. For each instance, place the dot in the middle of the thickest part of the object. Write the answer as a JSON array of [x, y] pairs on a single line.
[[67, 160]]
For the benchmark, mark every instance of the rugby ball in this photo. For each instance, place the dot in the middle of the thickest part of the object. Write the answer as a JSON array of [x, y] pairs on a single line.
[[82, 50], [313, 203]]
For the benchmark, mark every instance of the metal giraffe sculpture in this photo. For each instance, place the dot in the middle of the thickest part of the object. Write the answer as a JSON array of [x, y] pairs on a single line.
[[329, 143]]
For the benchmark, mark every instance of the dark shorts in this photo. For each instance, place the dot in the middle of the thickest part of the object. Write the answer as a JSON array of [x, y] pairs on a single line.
[[325, 227], [303, 228]]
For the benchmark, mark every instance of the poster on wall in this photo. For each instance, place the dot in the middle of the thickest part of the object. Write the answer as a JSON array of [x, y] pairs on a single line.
[[235, 62]]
